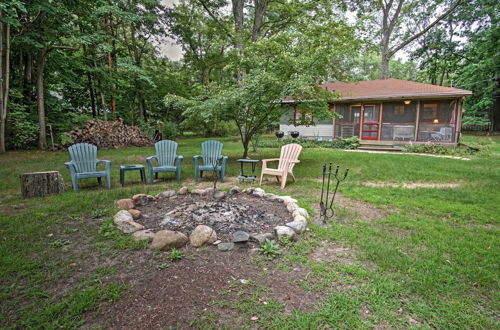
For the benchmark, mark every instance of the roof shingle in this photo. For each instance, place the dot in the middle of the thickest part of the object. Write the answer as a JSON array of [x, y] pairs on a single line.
[[391, 88]]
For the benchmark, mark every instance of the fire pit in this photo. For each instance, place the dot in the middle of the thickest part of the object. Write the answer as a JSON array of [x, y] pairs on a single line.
[[209, 216]]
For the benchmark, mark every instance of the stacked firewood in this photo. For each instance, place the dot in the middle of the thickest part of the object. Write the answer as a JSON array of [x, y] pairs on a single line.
[[109, 135]]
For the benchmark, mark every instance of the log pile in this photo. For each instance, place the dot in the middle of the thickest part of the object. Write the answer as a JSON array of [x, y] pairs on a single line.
[[110, 135]]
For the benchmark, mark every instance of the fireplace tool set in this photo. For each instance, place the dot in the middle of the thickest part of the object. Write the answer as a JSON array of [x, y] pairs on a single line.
[[326, 204]]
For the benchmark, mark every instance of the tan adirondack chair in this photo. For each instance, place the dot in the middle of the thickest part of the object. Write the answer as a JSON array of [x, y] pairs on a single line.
[[288, 158]]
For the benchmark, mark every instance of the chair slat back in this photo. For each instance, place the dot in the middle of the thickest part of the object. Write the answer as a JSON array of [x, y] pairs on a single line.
[[289, 152], [84, 155], [166, 150], [211, 151]]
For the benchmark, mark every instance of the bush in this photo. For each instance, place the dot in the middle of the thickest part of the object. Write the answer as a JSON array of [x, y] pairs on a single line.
[[22, 129], [169, 130], [431, 148], [338, 143]]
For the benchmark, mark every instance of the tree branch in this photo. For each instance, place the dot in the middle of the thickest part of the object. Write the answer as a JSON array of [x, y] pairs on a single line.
[[421, 33], [216, 19]]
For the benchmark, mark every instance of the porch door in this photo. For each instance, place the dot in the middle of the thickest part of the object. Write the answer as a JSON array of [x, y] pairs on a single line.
[[371, 122]]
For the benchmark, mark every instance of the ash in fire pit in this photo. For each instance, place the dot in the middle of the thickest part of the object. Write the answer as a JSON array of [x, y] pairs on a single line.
[[209, 215], [226, 216]]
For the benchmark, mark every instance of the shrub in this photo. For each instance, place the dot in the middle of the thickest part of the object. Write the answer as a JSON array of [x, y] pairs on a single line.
[[431, 148], [23, 130], [338, 143], [169, 130]]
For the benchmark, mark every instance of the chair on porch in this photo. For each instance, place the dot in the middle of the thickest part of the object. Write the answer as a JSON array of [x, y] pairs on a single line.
[[167, 159], [84, 162], [288, 158], [211, 155]]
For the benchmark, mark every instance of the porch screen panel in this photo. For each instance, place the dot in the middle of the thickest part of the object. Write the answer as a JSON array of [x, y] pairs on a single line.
[[437, 121], [287, 116], [398, 121], [348, 124]]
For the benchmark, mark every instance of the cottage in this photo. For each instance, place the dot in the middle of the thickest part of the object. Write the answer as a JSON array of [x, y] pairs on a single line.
[[384, 112]]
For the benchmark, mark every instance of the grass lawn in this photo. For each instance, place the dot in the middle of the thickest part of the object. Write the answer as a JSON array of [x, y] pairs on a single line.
[[431, 260]]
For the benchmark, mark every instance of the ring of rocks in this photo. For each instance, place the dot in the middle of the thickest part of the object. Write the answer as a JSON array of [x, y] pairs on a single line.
[[129, 217]]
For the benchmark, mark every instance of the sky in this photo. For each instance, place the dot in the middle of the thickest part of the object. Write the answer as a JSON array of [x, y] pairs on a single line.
[[167, 46]]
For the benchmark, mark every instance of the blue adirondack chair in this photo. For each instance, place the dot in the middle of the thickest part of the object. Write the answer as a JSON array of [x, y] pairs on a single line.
[[211, 154], [84, 162], [167, 158]]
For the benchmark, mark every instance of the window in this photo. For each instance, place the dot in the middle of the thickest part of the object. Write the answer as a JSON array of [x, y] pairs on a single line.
[[399, 110], [429, 112], [300, 118]]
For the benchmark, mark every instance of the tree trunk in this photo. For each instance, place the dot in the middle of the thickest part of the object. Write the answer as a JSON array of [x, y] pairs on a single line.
[[384, 66], [28, 69], [40, 184], [40, 99], [4, 76], [92, 97]]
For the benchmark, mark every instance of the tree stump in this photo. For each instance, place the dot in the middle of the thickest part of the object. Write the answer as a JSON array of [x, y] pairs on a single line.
[[40, 184]]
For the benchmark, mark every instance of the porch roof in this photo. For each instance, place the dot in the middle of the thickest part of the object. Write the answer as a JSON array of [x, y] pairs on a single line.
[[390, 89]]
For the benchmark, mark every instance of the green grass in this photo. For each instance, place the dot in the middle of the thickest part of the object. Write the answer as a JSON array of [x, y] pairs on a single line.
[[433, 262]]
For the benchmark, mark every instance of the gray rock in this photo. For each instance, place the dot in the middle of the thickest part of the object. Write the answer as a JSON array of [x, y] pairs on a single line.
[[249, 190], [209, 191], [219, 194], [234, 190], [287, 199], [125, 204], [143, 235], [202, 235], [200, 192], [140, 199], [225, 246], [261, 238], [166, 194], [291, 207], [297, 226], [136, 214], [125, 222], [167, 239], [299, 218], [300, 211], [285, 231], [240, 237], [258, 192], [217, 242], [270, 197], [183, 191]]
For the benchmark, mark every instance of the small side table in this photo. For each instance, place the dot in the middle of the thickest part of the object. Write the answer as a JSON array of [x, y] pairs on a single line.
[[125, 168], [242, 176]]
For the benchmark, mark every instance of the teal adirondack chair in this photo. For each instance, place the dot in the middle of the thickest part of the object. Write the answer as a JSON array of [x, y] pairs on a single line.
[[167, 158], [84, 162], [211, 154]]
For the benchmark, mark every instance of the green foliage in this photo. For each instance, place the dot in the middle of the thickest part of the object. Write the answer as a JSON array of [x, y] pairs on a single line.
[[175, 254], [431, 148], [169, 130], [338, 143], [23, 130], [270, 249]]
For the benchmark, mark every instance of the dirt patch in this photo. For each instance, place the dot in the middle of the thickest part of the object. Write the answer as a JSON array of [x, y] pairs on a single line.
[[347, 209], [411, 185], [226, 216], [330, 252], [194, 287]]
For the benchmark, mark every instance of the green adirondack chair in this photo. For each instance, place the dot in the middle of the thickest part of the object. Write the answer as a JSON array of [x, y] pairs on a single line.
[[167, 158], [211, 155], [84, 162]]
